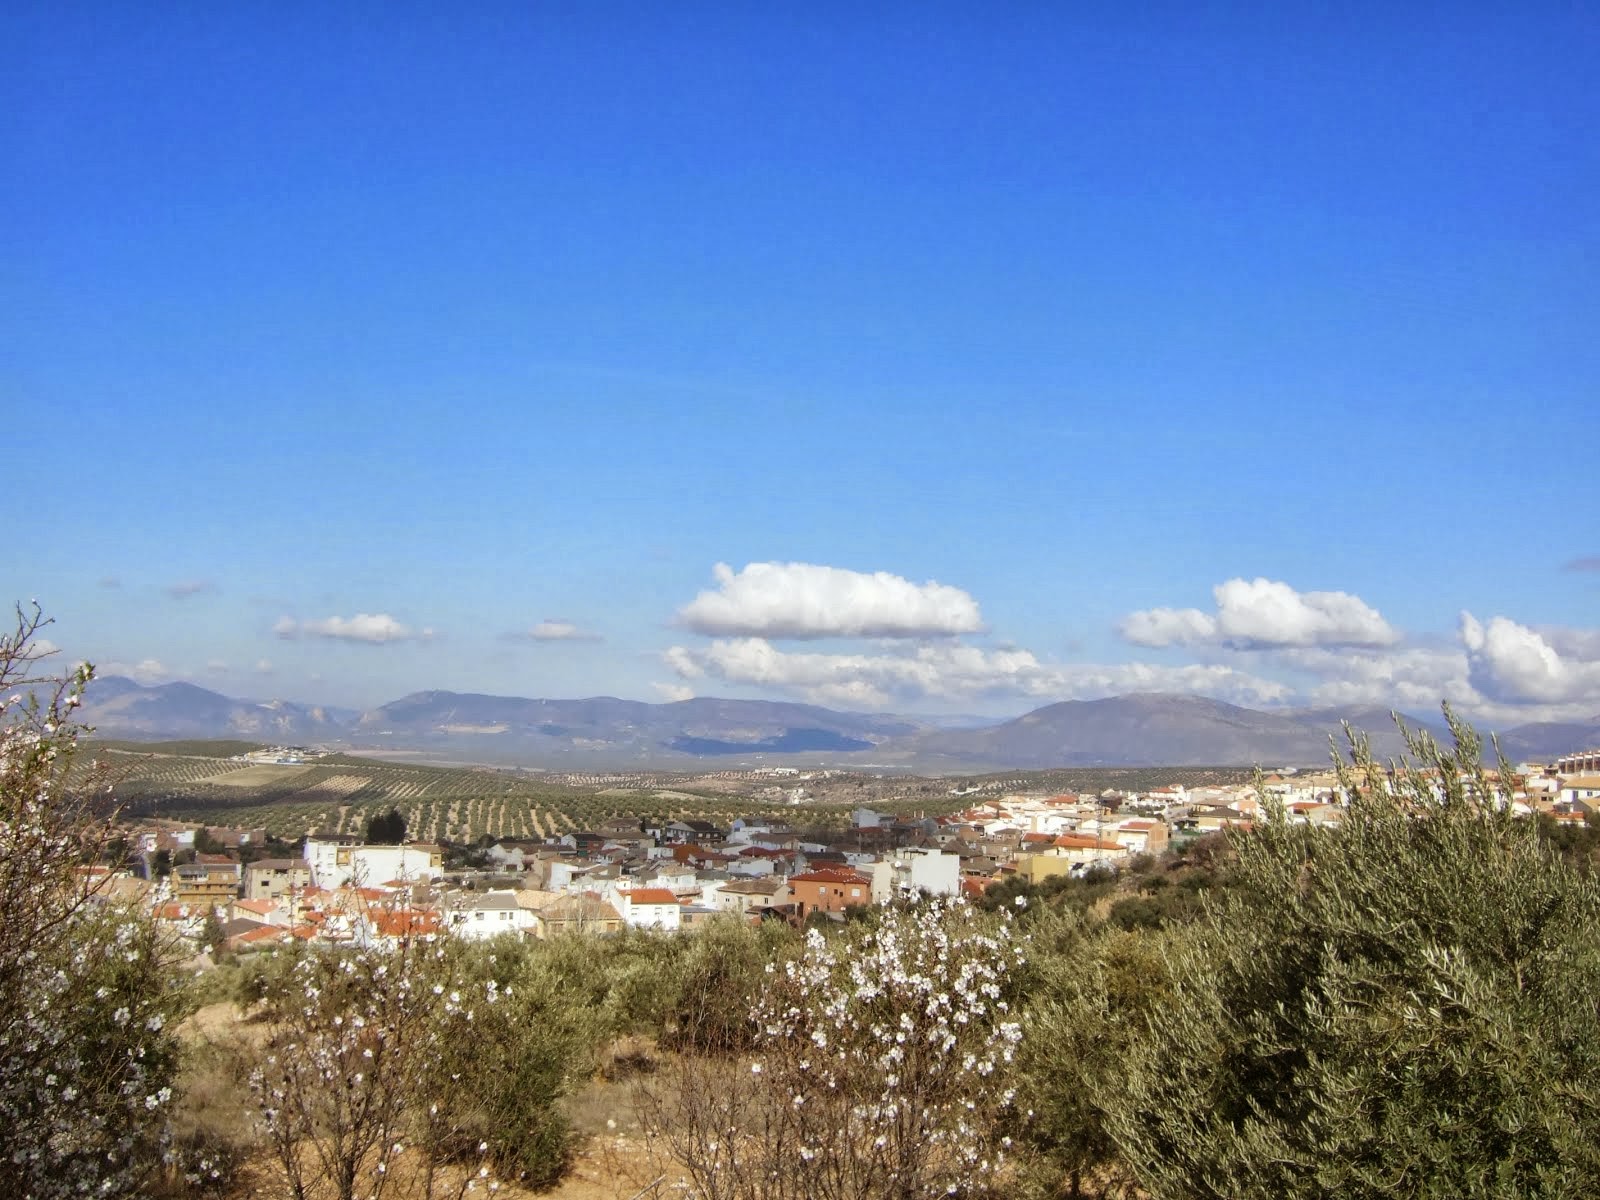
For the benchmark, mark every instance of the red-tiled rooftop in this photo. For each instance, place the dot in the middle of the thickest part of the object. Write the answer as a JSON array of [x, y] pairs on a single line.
[[405, 922], [1074, 841], [652, 896], [831, 875], [266, 933]]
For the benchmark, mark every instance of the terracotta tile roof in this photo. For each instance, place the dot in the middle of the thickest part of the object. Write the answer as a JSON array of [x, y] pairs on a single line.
[[261, 933], [405, 922], [651, 896], [832, 875], [1073, 841]]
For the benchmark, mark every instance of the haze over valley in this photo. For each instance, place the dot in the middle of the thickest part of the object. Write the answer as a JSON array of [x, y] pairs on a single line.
[[1148, 729]]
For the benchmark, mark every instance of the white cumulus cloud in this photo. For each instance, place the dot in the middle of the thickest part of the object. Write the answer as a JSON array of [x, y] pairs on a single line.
[[948, 671], [1412, 679], [1255, 614], [363, 627], [674, 692], [804, 600], [1513, 663], [1168, 627], [1499, 673]]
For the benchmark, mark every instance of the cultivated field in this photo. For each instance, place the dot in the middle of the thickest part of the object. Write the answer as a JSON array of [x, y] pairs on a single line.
[[340, 792], [201, 781]]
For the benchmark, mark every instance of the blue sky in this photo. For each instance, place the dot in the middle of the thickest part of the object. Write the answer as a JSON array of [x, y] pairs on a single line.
[[1220, 350]]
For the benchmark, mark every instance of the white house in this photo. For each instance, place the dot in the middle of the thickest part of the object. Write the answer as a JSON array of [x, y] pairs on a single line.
[[1578, 789], [509, 857], [565, 873], [650, 908], [916, 870], [755, 867], [744, 895], [489, 915], [1139, 835], [338, 861]]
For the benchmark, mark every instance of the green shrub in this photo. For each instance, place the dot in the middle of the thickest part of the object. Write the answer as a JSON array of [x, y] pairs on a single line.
[[1404, 1006], [510, 1045]]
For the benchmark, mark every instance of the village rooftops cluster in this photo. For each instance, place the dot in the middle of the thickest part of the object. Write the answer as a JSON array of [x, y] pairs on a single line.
[[674, 875]]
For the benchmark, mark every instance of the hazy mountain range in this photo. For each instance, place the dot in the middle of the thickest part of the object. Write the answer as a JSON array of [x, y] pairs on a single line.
[[1150, 729]]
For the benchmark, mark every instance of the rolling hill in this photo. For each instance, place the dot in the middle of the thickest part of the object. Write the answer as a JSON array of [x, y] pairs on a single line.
[[1150, 729]]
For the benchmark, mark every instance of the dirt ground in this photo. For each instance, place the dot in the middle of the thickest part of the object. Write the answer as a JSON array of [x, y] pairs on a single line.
[[614, 1168], [613, 1160]]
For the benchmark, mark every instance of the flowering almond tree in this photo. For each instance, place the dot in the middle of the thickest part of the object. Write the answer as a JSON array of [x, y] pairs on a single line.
[[426, 1067], [881, 1068], [87, 1005], [353, 1072]]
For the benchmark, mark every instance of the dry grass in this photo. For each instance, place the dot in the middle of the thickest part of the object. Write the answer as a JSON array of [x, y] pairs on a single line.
[[262, 775]]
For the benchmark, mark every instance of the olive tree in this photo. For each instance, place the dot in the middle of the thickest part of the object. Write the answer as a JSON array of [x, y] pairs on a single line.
[[1407, 1005]]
